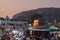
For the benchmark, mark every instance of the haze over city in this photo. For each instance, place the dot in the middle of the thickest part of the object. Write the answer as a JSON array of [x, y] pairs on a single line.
[[12, 7]]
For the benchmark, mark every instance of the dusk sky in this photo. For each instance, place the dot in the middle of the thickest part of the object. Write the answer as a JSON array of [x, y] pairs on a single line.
[[11, 7]]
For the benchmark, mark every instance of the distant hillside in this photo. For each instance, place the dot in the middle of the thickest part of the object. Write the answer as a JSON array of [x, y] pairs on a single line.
[[46, 13]]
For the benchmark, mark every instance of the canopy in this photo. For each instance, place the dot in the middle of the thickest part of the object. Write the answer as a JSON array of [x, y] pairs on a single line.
[[52, 28], [35, 29]]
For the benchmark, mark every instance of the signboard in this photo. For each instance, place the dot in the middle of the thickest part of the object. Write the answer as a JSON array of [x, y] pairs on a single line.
[[36, 23]]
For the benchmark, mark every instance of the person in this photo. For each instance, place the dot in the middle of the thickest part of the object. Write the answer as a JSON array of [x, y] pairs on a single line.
[[7, 36], [14, 31], [3, 37], [53, 37], [38, 38]]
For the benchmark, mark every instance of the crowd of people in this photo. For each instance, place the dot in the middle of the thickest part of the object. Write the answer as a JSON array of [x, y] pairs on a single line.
[[21, 33], [15, 34]]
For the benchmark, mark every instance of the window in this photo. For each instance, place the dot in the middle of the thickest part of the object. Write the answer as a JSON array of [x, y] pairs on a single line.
[[20, 24], [25, 24], [3, 24], [12, 24], [17, 24]]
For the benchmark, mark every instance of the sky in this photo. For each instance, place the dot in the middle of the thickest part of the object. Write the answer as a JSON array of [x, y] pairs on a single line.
[[12, 7]]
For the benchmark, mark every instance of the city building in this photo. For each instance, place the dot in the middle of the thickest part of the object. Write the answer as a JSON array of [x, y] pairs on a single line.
[[9, 22]]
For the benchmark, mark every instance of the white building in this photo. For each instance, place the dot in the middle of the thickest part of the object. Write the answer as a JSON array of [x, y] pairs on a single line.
[[10, 23]]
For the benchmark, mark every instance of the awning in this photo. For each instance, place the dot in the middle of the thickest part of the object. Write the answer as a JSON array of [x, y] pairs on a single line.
[[52, 28]]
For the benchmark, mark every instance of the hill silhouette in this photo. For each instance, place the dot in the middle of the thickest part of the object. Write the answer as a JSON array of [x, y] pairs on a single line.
[[45, 13]]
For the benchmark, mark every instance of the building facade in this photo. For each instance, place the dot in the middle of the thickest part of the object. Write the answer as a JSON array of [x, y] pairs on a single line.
[[10, 23]]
